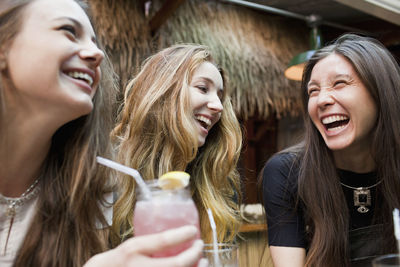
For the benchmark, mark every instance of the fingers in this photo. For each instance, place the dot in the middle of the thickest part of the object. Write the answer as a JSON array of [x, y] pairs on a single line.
[[138, 251], [203, 263], [149, 244], [188, 257]]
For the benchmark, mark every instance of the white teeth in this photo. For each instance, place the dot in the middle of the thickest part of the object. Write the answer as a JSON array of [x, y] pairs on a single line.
[[207, 121], [81, 75], [336, 128], [334, 118]]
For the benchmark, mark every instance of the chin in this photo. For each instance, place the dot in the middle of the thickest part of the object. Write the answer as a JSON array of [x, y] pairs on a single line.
[[201, 142], [82, 110], [337, 146]]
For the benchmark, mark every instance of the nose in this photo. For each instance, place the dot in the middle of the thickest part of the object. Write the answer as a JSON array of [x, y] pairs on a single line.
[[92, 54], [325, 98], [215, 104]]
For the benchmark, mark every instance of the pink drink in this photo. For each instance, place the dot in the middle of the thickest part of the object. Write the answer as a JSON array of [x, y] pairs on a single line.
[[167, 209]]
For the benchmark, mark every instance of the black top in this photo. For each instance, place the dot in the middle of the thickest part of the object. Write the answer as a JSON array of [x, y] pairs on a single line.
[[286, 225]]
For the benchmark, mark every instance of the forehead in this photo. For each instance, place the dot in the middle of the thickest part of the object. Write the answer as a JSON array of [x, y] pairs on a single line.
[[45, 11], [209, 71], [334, 63]]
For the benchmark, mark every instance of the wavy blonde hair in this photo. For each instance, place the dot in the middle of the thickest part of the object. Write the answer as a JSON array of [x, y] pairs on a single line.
[[156, 134]]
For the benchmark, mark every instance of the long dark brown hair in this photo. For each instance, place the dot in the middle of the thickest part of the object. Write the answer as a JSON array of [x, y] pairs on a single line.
[[63, 232], [326, 211]]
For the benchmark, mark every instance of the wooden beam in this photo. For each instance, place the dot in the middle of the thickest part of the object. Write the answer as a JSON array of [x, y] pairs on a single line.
[[164, 13], [388, 10]]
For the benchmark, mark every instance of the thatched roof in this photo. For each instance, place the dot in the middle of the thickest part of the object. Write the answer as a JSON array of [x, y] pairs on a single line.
[[253, 48]]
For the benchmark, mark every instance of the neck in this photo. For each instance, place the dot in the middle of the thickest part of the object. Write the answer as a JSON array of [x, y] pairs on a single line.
[[356, 160], [25, 144]]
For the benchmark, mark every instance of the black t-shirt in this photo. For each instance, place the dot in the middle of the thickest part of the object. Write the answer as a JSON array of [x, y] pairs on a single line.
[[286, 225]]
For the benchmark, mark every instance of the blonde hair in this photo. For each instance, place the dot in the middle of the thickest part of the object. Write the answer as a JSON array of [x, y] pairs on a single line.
[[157, 134]]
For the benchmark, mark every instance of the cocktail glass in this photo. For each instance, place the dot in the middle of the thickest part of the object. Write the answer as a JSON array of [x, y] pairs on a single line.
[[166, 209], [226, 253]]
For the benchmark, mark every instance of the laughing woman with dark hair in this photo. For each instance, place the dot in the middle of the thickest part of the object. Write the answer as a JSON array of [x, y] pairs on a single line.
[[329, 199]]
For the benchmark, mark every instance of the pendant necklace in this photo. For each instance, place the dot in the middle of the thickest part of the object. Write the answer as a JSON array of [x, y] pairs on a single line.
[[361, 196], [13, 203]]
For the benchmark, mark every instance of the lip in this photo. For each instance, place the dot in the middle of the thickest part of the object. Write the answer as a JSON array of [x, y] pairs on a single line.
[[203, 130], [82, 83], [205, 115], [212, 118], [337, 131]]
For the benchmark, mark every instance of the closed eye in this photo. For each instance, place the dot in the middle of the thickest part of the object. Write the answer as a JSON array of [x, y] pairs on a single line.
[[339, 83], [70, 30], [312, 91], [204, 89]]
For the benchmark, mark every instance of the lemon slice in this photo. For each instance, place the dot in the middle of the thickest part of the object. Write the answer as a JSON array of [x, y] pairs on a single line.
[[174, 180]]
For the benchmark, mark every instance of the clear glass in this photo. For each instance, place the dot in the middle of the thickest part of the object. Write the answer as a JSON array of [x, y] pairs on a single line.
[[391, 260], [227, 254], [166, 209]]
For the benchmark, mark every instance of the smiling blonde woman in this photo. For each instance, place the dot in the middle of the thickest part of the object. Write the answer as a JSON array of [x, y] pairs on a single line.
[[178, 117]]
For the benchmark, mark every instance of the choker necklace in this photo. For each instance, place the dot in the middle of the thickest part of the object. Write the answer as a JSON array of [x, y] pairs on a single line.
[[361, 196]]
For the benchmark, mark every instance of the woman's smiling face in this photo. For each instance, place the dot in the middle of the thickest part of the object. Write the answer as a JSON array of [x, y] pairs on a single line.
[[339, 105], [53, 62], [206, 91]]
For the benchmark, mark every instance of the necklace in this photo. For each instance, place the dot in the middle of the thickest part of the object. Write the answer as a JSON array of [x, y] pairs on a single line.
[[361, 196], [13, 203], [17, 202]]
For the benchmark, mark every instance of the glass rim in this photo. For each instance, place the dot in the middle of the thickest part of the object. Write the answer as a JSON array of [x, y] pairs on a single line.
[[153, 186], [209, 247]]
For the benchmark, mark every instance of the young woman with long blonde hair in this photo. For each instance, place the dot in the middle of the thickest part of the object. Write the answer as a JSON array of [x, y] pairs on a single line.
[[177, 116]]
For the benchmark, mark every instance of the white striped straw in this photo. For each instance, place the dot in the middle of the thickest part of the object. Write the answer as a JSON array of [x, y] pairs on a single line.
[[215, 241], [129, 171]]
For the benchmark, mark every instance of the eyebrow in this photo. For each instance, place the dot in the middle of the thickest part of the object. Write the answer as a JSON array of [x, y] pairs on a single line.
[[337, 76], [312, 83], [343, 76], [78, 24]]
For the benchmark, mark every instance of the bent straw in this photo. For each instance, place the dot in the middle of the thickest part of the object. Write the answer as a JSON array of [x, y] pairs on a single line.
[[129, 171], [396, 224], [215, 241]]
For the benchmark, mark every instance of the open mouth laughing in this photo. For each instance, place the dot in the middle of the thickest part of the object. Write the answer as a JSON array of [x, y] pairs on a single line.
[[204, 121], [335, 122], [81, 76]]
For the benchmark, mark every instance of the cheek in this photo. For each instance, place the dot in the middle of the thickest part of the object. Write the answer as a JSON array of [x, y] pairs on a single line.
[[311, 109], [369, 119], [312, 112], [195, 99]]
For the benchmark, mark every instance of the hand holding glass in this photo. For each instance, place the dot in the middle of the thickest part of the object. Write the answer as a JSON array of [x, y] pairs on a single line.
[[166, 209]]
